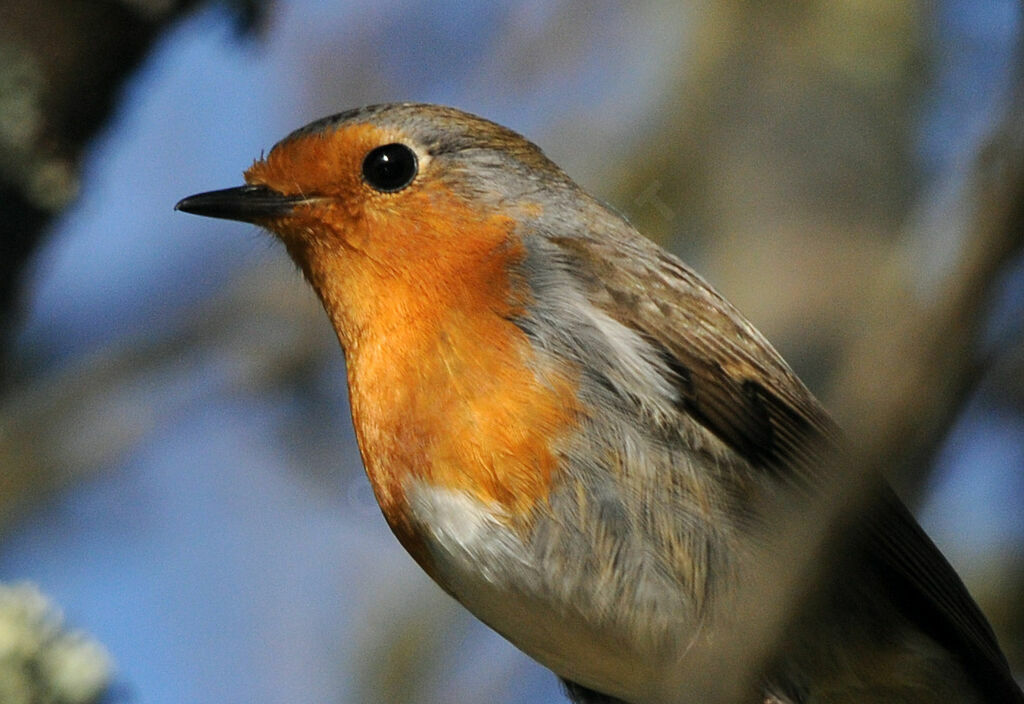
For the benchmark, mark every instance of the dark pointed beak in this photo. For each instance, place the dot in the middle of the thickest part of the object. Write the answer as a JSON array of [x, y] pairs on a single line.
[[255, 204]]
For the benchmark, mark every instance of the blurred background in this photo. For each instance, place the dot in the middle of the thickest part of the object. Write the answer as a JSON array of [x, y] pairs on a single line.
[[177, 467]]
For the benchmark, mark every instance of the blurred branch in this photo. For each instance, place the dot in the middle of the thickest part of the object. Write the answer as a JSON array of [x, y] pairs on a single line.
[[905, 379], [395, 659], [86, 418], [62, 64], [898, 390], [903, 382], [784, 150]]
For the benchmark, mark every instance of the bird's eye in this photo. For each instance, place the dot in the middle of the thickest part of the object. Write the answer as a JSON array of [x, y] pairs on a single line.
[[390, 167]]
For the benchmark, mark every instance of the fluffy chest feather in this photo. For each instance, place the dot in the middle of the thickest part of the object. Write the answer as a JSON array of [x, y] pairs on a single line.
[[501, 576], [629, 633]]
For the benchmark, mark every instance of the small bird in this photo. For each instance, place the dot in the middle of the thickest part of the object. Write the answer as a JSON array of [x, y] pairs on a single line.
[[581, 441]]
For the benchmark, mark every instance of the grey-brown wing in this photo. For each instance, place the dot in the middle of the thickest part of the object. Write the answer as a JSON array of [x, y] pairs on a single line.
[[728, 376], [733, 382]]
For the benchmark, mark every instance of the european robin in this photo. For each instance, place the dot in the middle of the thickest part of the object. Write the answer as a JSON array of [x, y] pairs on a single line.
[[578, 438]]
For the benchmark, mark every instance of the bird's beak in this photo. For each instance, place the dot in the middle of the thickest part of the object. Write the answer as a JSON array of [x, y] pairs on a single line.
[[255, 204]]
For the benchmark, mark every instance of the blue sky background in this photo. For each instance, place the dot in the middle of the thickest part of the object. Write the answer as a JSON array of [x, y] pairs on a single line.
[[211, 568]]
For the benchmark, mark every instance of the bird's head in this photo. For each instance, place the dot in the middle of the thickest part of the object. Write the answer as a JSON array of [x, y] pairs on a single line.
[[411, 222], [391, 209]]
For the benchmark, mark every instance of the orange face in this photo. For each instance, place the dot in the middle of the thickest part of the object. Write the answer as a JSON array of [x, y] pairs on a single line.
[[423, 289], [383, 261]]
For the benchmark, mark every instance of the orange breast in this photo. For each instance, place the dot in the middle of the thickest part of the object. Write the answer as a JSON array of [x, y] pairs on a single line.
[[421, 287], [446, 389]]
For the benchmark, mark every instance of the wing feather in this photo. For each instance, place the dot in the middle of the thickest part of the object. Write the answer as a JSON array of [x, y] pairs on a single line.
[[735, 384]]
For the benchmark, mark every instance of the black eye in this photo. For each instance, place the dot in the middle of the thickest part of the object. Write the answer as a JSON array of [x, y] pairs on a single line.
[[390, 167]]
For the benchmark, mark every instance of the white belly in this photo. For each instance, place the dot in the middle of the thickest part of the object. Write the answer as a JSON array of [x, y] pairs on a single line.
[[555, 618]]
